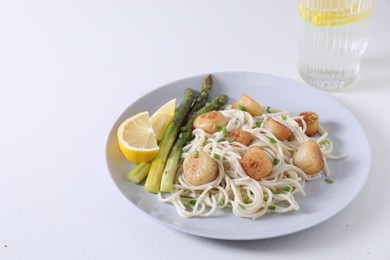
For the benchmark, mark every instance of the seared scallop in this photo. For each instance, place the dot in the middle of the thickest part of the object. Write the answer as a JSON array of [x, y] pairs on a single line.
[[280, 131], [240, 136], [211, 122], [199, 168], [256, 163], [308, 157], [312, 122], [248, 104]]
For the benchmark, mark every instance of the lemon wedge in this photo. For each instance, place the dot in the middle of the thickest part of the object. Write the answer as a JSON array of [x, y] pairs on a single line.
[[333, 12], [136, 138], [161, 118]]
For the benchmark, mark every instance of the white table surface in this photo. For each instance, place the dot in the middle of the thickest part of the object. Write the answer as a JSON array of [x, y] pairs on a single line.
[[69, 68]]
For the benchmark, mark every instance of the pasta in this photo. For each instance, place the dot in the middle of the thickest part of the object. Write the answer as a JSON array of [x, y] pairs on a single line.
[[233, 188]]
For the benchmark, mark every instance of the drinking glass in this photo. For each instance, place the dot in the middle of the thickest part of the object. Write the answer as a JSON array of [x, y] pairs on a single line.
[[333, 35]]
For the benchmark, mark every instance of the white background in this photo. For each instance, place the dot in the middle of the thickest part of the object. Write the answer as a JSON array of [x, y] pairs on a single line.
[[69, 68]]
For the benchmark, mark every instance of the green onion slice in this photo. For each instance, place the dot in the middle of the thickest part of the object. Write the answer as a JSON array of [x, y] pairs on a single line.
[[224, 131], [329, 180], [273, 140], [189, 203], [275, 161], [271, 207], [241, 107]]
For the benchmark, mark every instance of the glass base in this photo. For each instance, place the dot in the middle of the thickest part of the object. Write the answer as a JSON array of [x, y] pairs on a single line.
[[329, 80]]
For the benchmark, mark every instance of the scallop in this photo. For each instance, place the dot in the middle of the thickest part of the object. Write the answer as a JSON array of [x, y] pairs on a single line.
[[249, 104], [308, 157], [199, 168], [256, 163], [312, 122], [241, 136], [277, 129], [211, 122]]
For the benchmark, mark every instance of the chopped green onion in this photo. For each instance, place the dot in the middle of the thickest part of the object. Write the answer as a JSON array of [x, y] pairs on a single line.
[[271, 207], [219, 128], [323, 142], [241, 107], [224, 131], [222, 202], [189, 203], [286, 188], [283, 117], [273, 140], [268, 110], [314, 118], [230, 140], [275, 192], [246, 199], [183, 129], [196, 154], [275, 161], [216, 156], [242, 206], [329, 180], [205, 143], [221, 140], [258, 124]]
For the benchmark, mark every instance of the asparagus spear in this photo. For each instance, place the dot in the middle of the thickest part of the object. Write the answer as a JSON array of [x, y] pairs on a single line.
[[174, 156], [139, 173], [203, 94], [153, 179]]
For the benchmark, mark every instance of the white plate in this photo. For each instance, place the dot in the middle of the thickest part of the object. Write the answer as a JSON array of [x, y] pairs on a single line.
[[322, 200]]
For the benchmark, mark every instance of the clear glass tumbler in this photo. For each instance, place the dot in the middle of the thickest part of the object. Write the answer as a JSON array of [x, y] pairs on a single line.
[[333, 35]]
